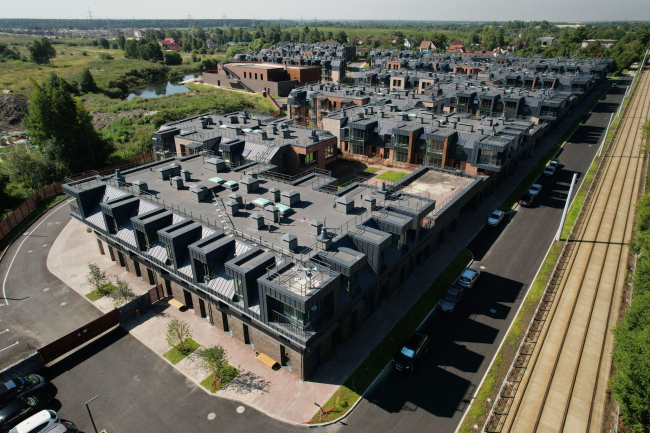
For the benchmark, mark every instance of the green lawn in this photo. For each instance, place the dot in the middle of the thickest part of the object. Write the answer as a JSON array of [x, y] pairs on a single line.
[[370, 170], [100, 293], [175, 356], [207, 382], [381, 355], [392, 176]]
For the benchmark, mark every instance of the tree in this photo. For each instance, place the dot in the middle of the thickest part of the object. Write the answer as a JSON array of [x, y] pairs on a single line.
[[86, 82], [178, 331], [4, 182], [62, 127], [123, 292], [151, 51], [103, 43], [342, 37], [41, 51], [121, 40], [96, 277], [213, 361], [231, 52], [32, 168], [173, 58], [131, 49]]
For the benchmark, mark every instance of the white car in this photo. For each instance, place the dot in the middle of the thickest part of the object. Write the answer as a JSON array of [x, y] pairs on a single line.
[[549, 170], [37, 423], [468, 278], [495, 218], [535, 189]]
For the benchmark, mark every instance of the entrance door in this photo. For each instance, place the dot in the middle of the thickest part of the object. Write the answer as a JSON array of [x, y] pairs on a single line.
[[188, 300], [247, 337], [151, 277], [285, 361]]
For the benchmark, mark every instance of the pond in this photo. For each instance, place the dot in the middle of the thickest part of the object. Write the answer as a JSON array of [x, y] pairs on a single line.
[[162, 88]]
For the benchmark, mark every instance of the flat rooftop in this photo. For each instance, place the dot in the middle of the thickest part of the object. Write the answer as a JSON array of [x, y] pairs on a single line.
[[314, 205]]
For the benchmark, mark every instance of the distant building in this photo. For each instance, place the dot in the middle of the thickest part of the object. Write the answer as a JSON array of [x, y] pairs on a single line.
[[606, 43], [407, 43], [427, 46], [547, 41], [457, 49], [211, 44], [172, 41]]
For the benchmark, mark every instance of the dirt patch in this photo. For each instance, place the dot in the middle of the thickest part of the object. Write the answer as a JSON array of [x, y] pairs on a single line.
[[12, 110], [103, 118]]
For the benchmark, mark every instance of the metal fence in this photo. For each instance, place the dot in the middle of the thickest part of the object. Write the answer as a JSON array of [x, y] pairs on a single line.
[[15, 216]]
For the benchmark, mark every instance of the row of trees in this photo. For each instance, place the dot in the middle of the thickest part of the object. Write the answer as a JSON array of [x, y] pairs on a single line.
[[630, 382]]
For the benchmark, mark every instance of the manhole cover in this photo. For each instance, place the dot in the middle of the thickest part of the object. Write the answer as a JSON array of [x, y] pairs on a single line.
[[63, 303], [73, 275], [30, 251], [241, 409], [83, 285], [212, 416], [493, 311], [47, 289], [482, 267]]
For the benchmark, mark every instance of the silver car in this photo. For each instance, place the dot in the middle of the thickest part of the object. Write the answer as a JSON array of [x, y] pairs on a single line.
[[468, 278], [495, 218], [450, 299]]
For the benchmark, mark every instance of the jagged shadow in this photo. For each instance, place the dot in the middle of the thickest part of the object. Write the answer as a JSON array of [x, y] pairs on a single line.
[[247, 382]]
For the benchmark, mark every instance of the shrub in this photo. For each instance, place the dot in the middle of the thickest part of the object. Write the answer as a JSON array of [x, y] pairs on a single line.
[[84, 53], [177, 332]]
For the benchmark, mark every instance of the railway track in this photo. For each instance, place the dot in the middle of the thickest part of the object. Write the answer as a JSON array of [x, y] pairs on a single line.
[[559, 378]]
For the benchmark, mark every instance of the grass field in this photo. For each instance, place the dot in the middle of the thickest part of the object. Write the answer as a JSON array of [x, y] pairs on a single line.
[[392, 176], [17, 75]]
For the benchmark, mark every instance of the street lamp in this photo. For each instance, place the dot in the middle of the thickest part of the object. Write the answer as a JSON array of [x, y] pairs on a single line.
[[89, 414]]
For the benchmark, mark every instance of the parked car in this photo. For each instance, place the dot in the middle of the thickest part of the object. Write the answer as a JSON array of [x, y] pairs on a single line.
[[63, 427], [21, 386], [451, 298], [468, 278], [535, 189], [549, 170], [495, 218], [411, 352], [554, 162], [20, 409], [527, 199]]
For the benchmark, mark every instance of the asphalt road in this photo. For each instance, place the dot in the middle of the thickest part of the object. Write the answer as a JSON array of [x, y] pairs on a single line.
[[435, 397], [36, 307]]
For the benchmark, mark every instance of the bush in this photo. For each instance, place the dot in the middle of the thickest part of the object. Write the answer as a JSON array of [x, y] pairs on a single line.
[[105, 56], [84, 53], [173, 58], [114, 92]]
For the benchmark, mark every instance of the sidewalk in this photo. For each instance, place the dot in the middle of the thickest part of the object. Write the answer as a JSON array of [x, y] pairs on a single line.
[[278, 393]]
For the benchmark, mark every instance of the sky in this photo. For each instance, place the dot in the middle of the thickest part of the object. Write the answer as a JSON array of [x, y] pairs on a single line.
[[433, 10]]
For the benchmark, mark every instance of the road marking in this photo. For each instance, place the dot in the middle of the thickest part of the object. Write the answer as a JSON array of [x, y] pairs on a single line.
[[482, 267], [46, 289], [241, 409], [6, 330], [30, 251], [2, 350], [212, 416], [44, 245], [63, 303], [4, 283]]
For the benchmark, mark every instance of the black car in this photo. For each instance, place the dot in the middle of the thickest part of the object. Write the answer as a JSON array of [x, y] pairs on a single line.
[[411, 352], [21, 386], [527, 199], [22, 408]]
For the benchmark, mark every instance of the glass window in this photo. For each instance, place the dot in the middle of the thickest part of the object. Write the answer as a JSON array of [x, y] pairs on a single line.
[[330, 151], [488, 157], [170, 254], [408, 352], [239, 289]]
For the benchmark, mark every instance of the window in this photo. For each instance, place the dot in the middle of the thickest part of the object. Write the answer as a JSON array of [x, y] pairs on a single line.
[[244, 74], [330, 151], [170, 254], [434, 152], [256, 75], [350, 284], [489, 157], [309, 158], [239, 290], [401, 148]]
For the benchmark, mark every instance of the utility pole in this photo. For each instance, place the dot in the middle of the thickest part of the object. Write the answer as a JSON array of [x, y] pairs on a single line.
[[566, 207], [90, 20]]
